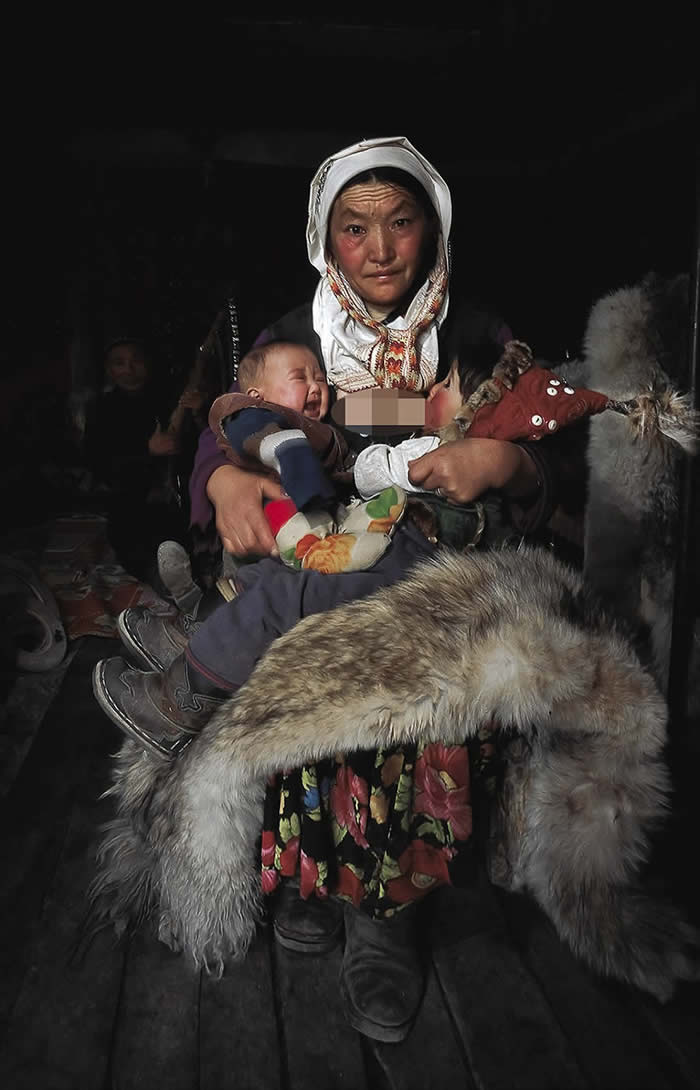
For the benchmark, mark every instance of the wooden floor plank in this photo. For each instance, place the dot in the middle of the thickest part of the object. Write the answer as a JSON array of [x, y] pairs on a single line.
[[61, 1026], [600, 1018], [322, 1051], [22, 905], [431, 1056], [676, 1029], [239, 1046], [507, 1029], [66, 766], [26, 704], [156, 1038]]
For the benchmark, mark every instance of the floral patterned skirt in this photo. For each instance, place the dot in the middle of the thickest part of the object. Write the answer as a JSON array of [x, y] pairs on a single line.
[[380, 829]]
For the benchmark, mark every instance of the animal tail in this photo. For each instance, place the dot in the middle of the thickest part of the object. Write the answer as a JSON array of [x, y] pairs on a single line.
[[662, 414], [124, 890], [585, 849], [625, 933]]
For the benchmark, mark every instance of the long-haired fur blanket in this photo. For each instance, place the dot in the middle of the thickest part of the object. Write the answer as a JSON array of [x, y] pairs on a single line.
[[464, 639]]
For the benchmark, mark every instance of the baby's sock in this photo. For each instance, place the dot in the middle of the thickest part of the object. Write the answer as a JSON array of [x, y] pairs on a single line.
[[295, 531]]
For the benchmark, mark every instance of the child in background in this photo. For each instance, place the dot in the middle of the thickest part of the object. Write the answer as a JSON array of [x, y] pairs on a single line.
[[128, 447]]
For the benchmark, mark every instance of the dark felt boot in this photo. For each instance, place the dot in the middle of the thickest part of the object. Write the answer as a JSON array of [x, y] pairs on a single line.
[[307, 927], [382, 978]]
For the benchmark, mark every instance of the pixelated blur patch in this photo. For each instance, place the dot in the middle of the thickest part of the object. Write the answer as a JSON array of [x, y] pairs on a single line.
[[380, 412]]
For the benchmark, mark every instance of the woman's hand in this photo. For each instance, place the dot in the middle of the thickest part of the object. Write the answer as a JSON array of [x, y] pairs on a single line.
[[162, 443], [461, 471], [237, 496]]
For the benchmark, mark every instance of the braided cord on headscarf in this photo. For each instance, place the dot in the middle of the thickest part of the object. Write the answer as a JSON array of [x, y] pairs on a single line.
[[392, 359]]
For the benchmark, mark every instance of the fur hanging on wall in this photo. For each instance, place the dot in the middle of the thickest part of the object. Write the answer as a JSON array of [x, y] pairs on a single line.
[[505, 634], [638, 336]]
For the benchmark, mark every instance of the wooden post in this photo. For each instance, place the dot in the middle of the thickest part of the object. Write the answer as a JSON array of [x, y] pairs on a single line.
[[688, 552]]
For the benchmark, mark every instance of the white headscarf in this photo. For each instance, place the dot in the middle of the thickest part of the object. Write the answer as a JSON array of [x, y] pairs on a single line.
[[347, 343]]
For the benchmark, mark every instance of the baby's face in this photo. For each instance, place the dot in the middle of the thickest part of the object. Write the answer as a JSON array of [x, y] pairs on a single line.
[[444, 399], [293, 378]]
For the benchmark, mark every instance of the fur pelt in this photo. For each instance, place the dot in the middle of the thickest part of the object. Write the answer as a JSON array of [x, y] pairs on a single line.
[[637, 337], [463, 639]]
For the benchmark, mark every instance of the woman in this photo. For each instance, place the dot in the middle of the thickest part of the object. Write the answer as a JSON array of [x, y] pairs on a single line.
[[377, 829], [378, 268]]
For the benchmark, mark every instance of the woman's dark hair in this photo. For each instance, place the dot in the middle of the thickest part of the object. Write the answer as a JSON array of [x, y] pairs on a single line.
[[396, 176]]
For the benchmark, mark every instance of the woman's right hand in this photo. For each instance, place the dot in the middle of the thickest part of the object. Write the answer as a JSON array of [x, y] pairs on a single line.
[[237, 496], [461, 471]]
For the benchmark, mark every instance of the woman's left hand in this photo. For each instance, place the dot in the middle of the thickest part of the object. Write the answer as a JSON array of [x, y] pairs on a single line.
[[462, 470]]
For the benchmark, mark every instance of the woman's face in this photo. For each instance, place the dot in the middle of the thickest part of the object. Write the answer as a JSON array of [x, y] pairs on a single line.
[[378, 233]]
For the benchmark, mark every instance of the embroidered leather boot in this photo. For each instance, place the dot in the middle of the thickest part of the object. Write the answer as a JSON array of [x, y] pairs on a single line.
[[162, 711], [155, 640], [382, 977]]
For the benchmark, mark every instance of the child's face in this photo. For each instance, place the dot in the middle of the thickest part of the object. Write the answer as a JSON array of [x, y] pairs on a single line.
[[293, 378], [444, 399], [126, 367]]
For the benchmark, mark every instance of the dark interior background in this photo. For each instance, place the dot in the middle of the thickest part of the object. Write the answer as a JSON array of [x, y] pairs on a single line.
[[154, 167]]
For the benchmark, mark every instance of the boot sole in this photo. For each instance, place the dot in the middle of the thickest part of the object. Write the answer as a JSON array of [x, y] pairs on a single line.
[[145, 661], [120, 720]]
